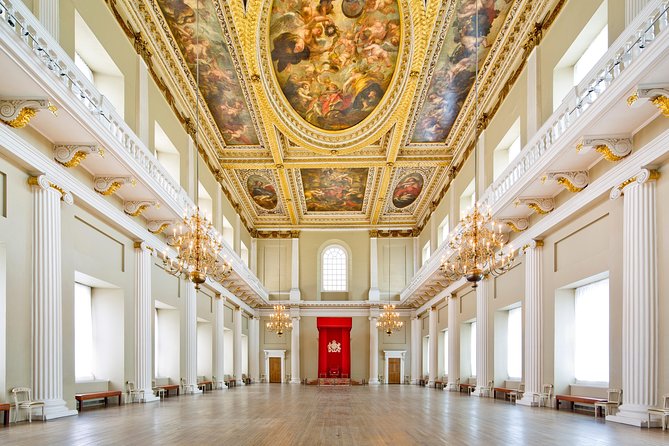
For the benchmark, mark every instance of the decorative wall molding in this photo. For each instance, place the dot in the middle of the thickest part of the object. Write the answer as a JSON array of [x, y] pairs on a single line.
[[17, 112], [657, 94], [572, 180], [137, 208], [612, 147], [70, 155], [107, 185], [540, 205]]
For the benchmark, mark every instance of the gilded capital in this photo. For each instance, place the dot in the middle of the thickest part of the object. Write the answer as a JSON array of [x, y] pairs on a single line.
[[644, 176]]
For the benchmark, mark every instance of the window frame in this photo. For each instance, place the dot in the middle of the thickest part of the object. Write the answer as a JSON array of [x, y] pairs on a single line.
[[321, 264]]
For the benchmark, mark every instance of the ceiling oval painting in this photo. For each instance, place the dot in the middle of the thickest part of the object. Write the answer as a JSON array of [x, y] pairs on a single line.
[[262, 191], [408, 190], [334, 59]]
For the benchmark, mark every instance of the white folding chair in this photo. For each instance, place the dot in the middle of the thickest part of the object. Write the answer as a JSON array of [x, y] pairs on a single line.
[[23, 400]]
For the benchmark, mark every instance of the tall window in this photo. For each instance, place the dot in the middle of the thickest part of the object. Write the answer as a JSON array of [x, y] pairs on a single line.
[[443, 230], [507, 150], [514, 339], [334, 269], [426, 253], [472, 339], [228, 232], [83, 333], [591, 326], [167, 154], [591, 55], [244, 253], [446, 352], [467, 199]]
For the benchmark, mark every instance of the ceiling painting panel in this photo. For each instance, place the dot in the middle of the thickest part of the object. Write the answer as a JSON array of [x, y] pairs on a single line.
[[334, 59], [334, 189], [219, 84], [408, 186], [455, 71], [261, 188]]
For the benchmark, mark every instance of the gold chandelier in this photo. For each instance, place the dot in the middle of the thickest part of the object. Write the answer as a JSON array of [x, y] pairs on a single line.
[[279, 321], [389, 321], [477, 247]]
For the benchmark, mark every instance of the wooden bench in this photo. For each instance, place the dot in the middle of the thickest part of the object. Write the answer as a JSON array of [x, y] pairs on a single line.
[[4, 407], [81, 397], [576, 399], [439, 384], [169, 387], [469, 388], [206, 385], [502, 390]]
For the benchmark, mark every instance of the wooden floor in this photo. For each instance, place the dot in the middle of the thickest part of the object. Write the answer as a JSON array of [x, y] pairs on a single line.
[[274, 414]]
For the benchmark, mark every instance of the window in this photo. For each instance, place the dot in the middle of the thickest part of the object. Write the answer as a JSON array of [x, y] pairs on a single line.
[[228, 232], [467, 199], [167, 153], [205, 202], [426, 253], [244, 254], [83, 333], [335, 267], [83, 66], [446, 352], [514, 339], [426, 355], [591, 326], [472, 346], [444, 229], [507, 149], [591, 55]]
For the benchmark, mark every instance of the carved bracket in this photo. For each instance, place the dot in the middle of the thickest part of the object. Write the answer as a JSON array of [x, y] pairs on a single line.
[[516, 224], [572, 180], [158, 226], [18, 112], [657, 94], [70, 155], [107, 185], [136, 208], [613, 148], [540, 205], [643, 176]]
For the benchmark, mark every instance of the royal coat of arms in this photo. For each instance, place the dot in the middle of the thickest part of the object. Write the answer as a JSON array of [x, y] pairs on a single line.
[[334, 347]]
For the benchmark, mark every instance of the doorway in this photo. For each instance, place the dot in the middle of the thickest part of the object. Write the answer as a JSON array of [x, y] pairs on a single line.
[[275, 370], [394, 370]]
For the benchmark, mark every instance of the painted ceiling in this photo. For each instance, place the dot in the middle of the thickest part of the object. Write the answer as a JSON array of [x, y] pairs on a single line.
[[334, 112]]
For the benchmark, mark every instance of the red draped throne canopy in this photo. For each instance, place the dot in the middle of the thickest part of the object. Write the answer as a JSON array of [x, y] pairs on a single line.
[[334, 347]]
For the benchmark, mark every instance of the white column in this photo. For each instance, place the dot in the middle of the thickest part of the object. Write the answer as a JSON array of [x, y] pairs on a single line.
[[47, 298], [533, 355], [253, 256], [632, 9], [434, 345], [295, 268], [142, 105], [295, 346], [640, 333], [254, 349], [191, 338], [373, 347], [415, 349], [374, 293], [219, 338], [144, 317], [533, 116], [237, 353], [48, 13], [483, 350], [453, 340]]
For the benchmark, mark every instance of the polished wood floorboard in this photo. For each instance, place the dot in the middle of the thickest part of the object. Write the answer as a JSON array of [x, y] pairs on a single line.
[[275, 414]]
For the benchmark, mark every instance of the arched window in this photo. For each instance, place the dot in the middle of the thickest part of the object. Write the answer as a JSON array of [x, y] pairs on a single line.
[[335, 267]]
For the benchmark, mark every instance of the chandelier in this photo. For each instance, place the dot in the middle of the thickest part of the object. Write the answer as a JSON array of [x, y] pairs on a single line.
[[279, 321], [389, 321], [197, 243], [477, 247]]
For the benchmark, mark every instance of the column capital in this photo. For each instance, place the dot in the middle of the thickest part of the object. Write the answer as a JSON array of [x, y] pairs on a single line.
[[645, 175], [295, 234], [141, 245], [373, 233], [43, 182], [533, 244]]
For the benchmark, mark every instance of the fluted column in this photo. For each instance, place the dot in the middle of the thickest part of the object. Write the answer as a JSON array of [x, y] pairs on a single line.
[[47, 298], [144, 318], [533, 355], [254, 349], [295, 294], [640, 331], [295, 347], [48, 13], [374, 293], [433, 345], [415, 349], [219, 338], [483, 348], [237, 353], [633, 8], [373, 347], [453, 341], [191, 338]]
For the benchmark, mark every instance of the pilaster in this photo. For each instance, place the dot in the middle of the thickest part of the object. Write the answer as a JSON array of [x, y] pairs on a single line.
[[219, 338], [237, 341], [415, 349], [295, 295], [48, 13], [295, 346], [453, 340], [434, 344], [191, 339], [374, 293], [373, 347], [483, 350], [254, 349]]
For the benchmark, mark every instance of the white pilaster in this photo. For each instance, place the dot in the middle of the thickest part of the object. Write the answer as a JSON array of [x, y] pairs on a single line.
[[254, 349], [640, 334], [295, 295], [374, 293], [533, 356], [533, 116], [633, 8], [48, 13], [191, 338], [373, 347], [453, 341], [434, 344], [483, 350], [253, 256], [144, 317], [142, 104], [47, 305], [415, 349], [237, 341], [295, 346], [219, 338]]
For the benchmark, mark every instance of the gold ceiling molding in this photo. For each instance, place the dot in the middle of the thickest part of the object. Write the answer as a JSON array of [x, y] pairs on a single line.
[[612, 147], [71, 155], [540, 205], [17, 112], [572, 180], [107, 185], [656, 94], [392, 233]]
